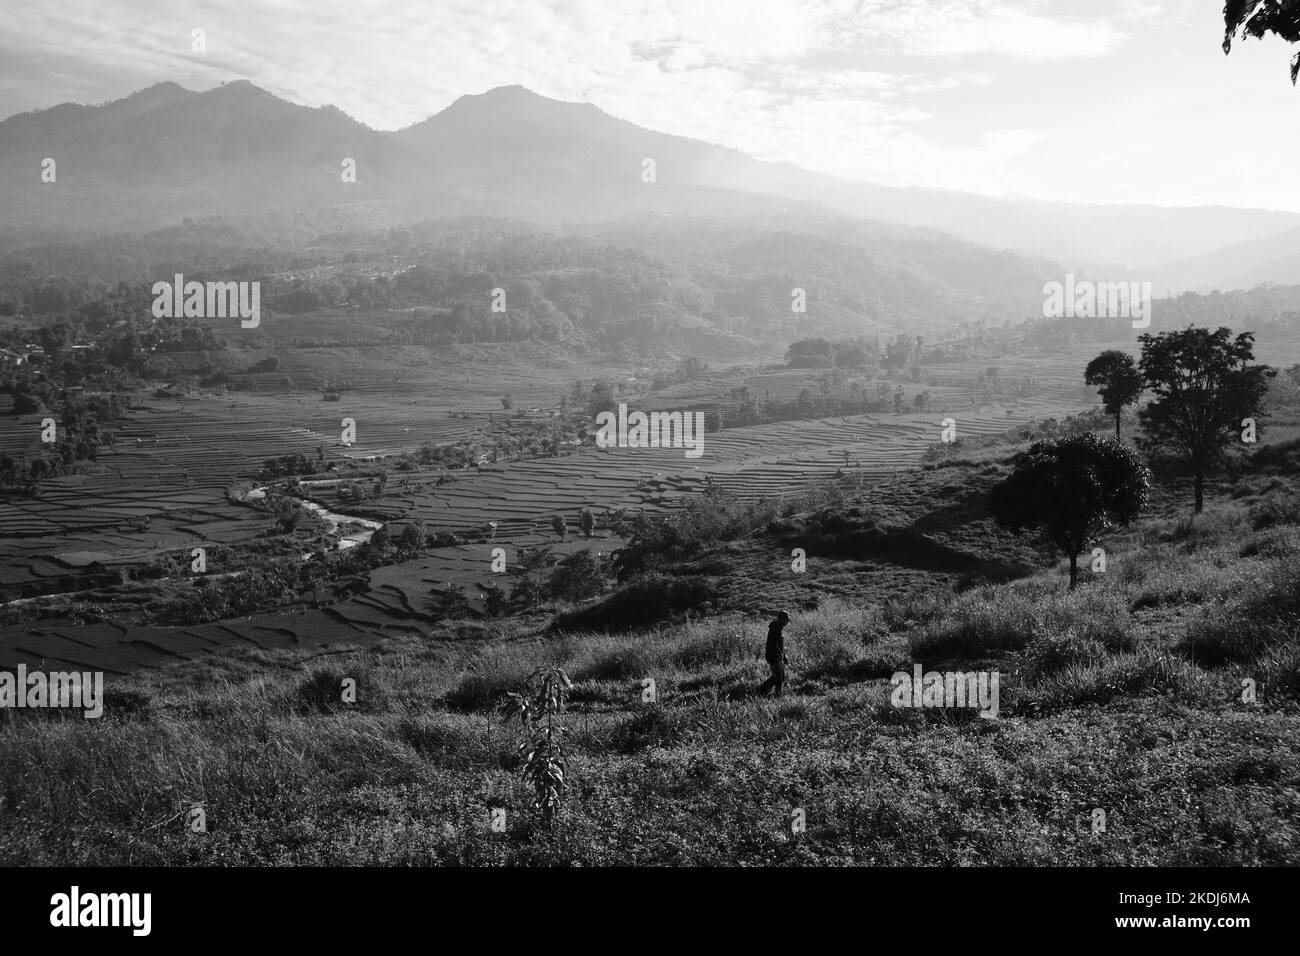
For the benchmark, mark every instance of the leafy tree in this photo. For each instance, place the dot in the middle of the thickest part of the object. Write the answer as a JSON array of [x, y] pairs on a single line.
[[413, 536], [287, 514], [1254, 18], [54, 339], [900, 352], [601, 399], [810, 353], [1072, 489], [1117, 378], [1204, 387]]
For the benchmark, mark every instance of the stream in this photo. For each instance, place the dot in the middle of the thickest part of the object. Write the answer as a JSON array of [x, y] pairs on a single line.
[[364, 527]]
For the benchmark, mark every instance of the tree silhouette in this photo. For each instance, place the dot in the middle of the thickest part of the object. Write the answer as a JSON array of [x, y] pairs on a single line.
[[1254, 18], [1117, 378], [1072, 489], [1204, 387]]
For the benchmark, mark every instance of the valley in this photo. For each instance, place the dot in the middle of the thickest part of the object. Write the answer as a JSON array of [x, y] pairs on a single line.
[[163, 487]]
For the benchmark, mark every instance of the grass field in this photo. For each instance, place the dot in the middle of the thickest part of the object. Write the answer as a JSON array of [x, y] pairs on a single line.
[[1124, 696]]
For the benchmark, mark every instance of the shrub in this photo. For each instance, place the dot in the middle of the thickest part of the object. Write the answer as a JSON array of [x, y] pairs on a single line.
[[527, 593], [578, 576], [489, 679], [706, 520], [321, 691], [644, 602], [1047, 655], [1274, 509], [539, 709], [1243, 631]]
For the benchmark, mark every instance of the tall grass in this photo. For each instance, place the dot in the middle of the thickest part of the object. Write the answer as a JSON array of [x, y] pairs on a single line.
[[1255, 622], [1007, 618]]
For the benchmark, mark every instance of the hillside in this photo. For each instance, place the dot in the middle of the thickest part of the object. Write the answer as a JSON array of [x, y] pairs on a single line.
[[1125, 696], [1274, 259], [605, 283]]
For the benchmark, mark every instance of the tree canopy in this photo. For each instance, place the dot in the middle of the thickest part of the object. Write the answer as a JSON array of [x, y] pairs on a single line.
[[1255, 18], [1072, 489], [1116, 376], [1205, 387]]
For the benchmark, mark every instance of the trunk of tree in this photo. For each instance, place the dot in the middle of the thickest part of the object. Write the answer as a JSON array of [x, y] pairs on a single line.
[[1117, 414], [1199, 484], [1074, 570]]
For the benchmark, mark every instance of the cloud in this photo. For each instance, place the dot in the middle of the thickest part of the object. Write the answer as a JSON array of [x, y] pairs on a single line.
[[953, 28], [926, 92]]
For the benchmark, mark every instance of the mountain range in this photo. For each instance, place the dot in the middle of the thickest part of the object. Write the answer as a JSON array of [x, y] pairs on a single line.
[[166, 154]]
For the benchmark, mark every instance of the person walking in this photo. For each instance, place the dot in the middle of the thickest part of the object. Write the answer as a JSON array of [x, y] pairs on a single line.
[[775, 654]]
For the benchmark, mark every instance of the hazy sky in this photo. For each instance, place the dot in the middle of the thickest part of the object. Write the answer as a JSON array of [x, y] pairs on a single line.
[[1086, 100]]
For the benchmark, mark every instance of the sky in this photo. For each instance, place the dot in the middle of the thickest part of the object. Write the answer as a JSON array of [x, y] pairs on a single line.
[[1093, 101]]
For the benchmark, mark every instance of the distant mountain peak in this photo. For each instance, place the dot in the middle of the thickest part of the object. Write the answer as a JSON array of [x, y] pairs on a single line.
[[239, 88], [513, 95], [166, 86], [156, 95], [513, 89]]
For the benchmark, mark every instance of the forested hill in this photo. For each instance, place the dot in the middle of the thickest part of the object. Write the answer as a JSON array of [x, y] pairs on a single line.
[[654, 272]]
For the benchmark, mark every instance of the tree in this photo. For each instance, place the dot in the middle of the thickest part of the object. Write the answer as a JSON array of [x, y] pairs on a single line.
[[1072, 489], [587, 521], [54, 339], [1204, 387], [899, 353], [494, 600], [1254, 18], [810, 353], [1117, 378], [286, 514], [602, 399]]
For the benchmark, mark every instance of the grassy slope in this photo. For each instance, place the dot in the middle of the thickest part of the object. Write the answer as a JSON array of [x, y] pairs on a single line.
[[1125, 695]]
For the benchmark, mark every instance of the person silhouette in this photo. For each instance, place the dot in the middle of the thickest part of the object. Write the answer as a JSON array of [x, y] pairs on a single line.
[[775, 654]]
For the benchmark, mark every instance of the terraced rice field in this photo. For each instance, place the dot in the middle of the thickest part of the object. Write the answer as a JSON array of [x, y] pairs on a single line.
[[174, 459]]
